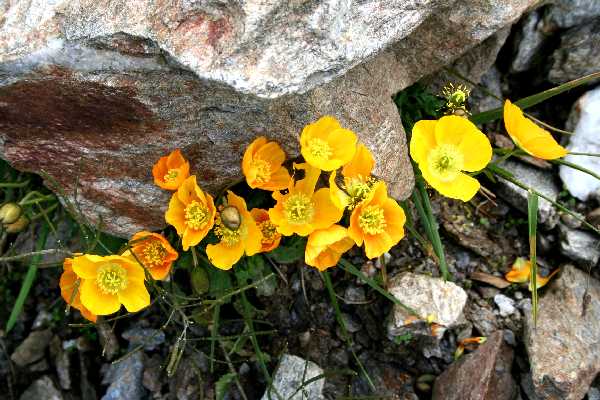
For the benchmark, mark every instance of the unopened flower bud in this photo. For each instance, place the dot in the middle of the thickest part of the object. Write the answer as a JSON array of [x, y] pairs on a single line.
[[18, 226], [230, 216], [9, 213]]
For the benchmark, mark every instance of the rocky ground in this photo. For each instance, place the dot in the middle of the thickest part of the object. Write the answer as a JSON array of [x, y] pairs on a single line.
[[50, 355]]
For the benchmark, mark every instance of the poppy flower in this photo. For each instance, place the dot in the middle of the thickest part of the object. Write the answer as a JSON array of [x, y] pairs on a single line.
[[324, 144], [262, 165], [378, 222], [270, 237], [154, 252], [530, 137], [521, 273], [302, 210], [357, 180], [170, 171], [325, 247], [237, 232], [191, 212], [443, 149], [109, 281]]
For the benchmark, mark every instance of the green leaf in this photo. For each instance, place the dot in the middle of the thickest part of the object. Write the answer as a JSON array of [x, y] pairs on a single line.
[[223, 384], [537, 98], [532, 211], [28, 280], [220, 283]]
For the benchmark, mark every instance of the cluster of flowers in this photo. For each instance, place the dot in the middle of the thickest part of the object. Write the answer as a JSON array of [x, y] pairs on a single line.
[[300, 206], [445, 149]]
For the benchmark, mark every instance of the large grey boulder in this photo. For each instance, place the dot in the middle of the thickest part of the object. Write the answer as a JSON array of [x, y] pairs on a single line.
[[96, 91], [563, 348]]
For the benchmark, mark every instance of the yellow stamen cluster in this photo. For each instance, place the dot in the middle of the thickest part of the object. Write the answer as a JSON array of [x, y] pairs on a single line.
[[372, 220], [171, 175], [456, 98], [196, 215], [263, 170], [358, 189], [154, 254], [269, 232], [227, 235], [111, 278], [319, 148], [298, 209], [446, 161]]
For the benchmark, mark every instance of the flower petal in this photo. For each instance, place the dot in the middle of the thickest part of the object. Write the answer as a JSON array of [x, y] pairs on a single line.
[[361, 164], [377, 245], [86, 266], [271, 153], [326, 212], [223, 256], [280, 179], [463, 187], [422, 139], [135, 296], [96, 301], [175, 214], [476, 150], [452, 129]]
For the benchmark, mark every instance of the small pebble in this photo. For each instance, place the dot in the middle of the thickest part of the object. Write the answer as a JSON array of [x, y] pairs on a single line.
[[505, 304]]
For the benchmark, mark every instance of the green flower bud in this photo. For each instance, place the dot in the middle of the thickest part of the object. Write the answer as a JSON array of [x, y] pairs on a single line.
[[10, 212], [18, 226]]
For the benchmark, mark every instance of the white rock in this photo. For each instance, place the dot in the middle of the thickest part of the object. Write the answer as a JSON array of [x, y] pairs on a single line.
[[432, 298], [291, 375], [505, 304], [586, 138]]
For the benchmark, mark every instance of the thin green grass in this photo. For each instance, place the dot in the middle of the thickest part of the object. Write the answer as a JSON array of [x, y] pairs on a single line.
[[532, 211]]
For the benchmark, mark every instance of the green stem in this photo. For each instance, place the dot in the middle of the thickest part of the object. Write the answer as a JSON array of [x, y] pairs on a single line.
[[532, 211], [577, 167], [575, 153], [14, 184]]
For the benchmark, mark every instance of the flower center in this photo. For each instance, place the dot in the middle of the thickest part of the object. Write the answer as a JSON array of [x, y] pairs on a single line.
[[263, 171], [111, 278], [372, 220], [445, 162], [319, 148], [171, 175], [196, 215], [269, 232], [298, 209], [228, 235], [358, 189], [154, 254]]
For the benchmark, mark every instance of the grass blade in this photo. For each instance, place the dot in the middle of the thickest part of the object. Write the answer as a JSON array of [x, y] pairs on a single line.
[[532, 210], [342, 324], [28, 280], [532, 100]]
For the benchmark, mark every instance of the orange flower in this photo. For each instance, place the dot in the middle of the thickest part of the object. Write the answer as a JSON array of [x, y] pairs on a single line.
[[271, 237], [154, 252], [191, 212], [528, 136], [325, 247], [378, 222], [262, 165], [170, 171], [521, 273], [238, 234], [358, 182], [302, 210], [109, 281], [324, 144], [69, 290]]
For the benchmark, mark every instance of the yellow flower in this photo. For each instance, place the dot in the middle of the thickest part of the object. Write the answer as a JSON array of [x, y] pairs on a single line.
[[191, 212], [302, 210], [446, 147], [528, 136], [325, 247], [262, 165], [358, 182], [324, 144], [378, 222], [154, 252], [109, 281], [238, 234], [270, 237], [70, 290], [170, 171], [521, 273]]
